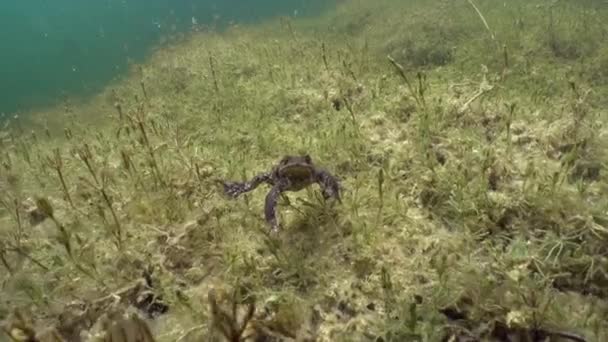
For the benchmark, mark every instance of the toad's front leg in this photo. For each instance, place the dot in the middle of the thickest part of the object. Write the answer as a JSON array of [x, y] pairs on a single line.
[[270, 206], [234, 189], [329, 185]]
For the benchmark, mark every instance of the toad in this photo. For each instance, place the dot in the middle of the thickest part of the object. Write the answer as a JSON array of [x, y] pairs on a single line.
[[293, 173]]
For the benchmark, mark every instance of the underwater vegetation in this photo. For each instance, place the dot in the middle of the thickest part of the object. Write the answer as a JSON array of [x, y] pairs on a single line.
[[470, 146]]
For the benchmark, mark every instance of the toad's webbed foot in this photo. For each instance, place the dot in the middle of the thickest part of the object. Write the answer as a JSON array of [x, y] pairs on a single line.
[[329, 185], [234, 189]]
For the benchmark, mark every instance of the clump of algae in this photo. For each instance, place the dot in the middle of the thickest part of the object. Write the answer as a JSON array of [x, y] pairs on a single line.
[[473, 161]]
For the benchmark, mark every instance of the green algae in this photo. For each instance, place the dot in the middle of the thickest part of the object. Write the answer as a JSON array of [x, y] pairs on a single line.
[[474, 181]]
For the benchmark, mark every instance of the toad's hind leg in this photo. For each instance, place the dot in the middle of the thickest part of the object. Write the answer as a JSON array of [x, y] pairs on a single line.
[[270, 207]]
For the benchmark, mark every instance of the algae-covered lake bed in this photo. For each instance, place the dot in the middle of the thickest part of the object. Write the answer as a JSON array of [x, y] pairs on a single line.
[[469, 139]]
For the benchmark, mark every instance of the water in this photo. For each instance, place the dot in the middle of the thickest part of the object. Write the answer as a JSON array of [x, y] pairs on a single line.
[[51, 48], [469, 137]]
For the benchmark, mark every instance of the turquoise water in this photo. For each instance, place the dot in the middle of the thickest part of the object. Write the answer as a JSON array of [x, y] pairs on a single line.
[[53, 48]]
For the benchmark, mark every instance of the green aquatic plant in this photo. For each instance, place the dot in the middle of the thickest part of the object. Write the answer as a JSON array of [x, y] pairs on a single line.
[[55, 162], [473, 168], [100, 183]]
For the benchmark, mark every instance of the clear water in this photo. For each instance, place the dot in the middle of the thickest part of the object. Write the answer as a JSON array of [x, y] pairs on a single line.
[[51, 48]]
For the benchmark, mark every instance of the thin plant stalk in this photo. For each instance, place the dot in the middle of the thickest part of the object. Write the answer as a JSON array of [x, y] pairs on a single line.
[[56, 163], [483, 19]]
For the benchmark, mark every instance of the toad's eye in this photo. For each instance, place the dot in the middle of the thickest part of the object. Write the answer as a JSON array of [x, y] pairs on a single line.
[[308, 159]]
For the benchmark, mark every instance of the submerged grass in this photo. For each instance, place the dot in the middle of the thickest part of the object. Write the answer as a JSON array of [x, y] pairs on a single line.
[[473, 162]]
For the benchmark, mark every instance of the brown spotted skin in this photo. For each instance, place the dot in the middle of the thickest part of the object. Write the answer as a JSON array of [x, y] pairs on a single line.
[[293, 173]]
